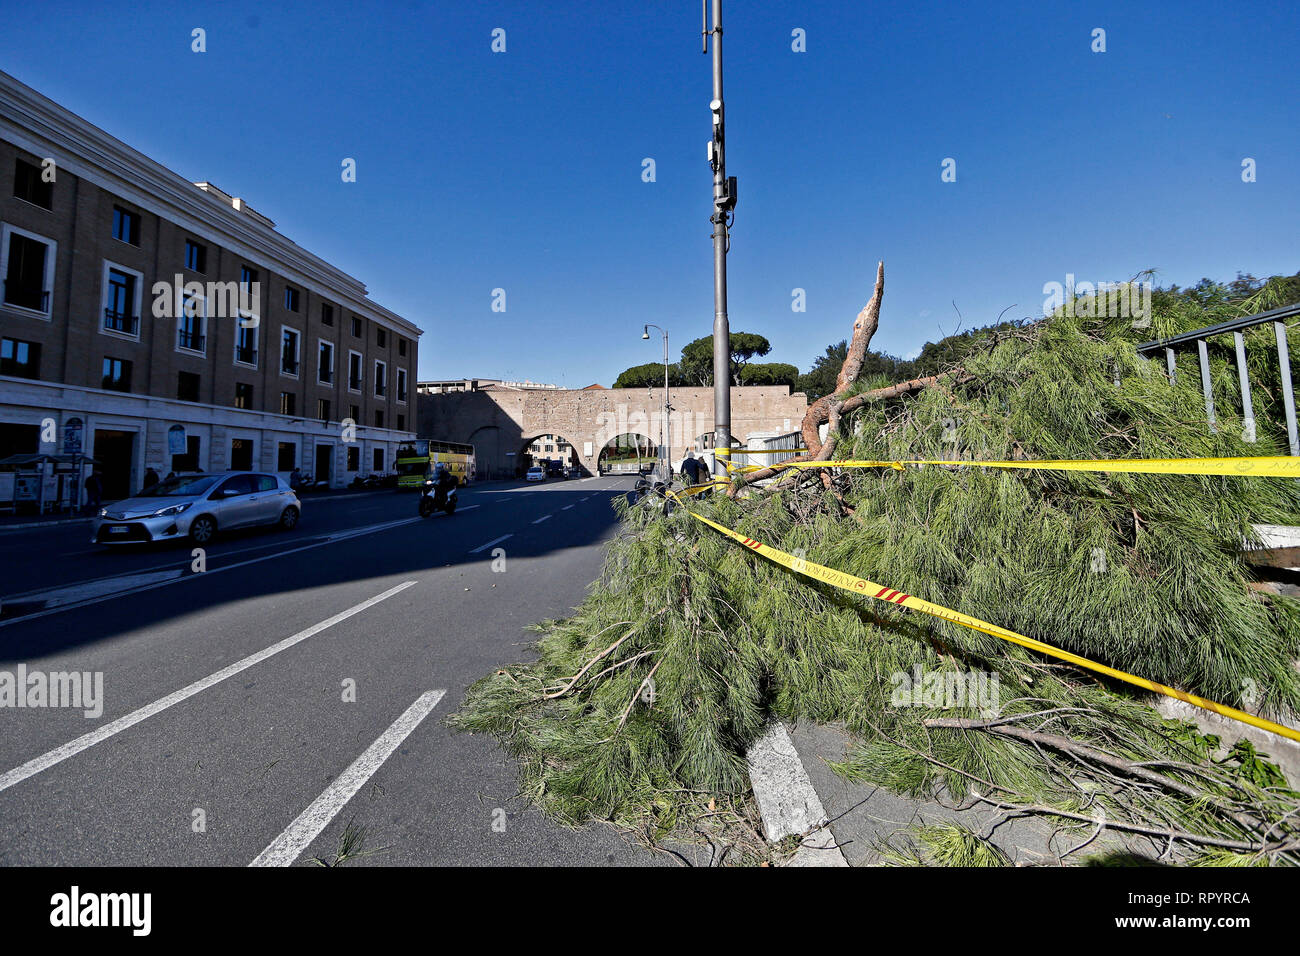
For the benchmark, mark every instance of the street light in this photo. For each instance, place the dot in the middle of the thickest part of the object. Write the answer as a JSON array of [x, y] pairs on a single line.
[[666, 433]]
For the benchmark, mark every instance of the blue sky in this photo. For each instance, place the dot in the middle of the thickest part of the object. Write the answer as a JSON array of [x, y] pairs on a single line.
[[522, 170]]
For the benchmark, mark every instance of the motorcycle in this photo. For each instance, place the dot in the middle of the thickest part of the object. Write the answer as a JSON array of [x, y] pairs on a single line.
[[428, 499]]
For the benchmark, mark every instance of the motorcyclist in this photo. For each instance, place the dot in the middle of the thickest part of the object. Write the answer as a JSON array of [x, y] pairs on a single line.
[[443, 482]]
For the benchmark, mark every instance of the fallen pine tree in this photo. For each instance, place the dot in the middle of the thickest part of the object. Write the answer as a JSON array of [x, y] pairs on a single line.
[[641, 705]]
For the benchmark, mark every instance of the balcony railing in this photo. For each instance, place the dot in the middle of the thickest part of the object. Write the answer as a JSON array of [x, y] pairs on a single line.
[[288, 365], [191, 340], [380, 389], [246, 354], [122, 322], [325, 376], [26, 296], [354, 382]]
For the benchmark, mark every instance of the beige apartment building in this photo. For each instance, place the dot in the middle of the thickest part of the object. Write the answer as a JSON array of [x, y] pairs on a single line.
[[152, 322]]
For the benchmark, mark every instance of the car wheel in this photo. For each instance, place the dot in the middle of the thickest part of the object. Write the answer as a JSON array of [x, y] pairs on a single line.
[[289, 518], [202, 529]]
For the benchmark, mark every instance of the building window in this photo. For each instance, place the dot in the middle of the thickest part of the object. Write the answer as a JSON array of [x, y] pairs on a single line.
[[401, 346], [286, 456], [126, 226], [379, 460], [356, 327], [379, 418], [288, 350], [354, 413], [117, 375], [20, 359], [325, 363], [323, 409], [381, 379], [241, 456], [291, 298], [249, 277], [30, 186], [354, 458], [196, 256], [122, 300], [401, 423], [327, 314], [354, 371], [28, 269], [246, 344], [288, 403], [191, 324], [187, 386], [243, 395], [401, 385], [381, 337]]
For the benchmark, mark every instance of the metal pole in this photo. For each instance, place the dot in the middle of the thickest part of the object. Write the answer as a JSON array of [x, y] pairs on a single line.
[[668, 434], [1288, 396], [721, 204], [1243, 378], [1205, 381]]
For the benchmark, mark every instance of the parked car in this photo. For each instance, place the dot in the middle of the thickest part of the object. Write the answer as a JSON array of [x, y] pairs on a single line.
[[197, 506], [536, 473]]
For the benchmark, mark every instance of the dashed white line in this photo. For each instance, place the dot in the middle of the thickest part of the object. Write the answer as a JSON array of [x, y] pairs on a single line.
[[566, 507], [484, 547], [86, 741], [542, 518], [287, 847]]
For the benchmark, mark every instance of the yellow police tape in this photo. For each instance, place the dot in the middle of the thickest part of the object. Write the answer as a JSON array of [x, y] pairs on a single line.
[[1262, 467], [856, 585]]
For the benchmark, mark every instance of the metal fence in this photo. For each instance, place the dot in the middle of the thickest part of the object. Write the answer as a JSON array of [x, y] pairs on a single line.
[[782, 448], [1236, 328]]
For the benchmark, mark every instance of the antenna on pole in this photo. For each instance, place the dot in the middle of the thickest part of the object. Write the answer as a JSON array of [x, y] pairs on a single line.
[[704, 26]]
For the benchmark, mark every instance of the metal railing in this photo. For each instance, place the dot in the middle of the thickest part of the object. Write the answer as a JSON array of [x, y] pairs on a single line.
[[122, 322], [26, 296], [246, 355], [1237, 328], [190, 340]]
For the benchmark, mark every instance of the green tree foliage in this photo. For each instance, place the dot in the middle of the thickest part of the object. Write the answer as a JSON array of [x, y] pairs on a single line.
[[820, 379], [650, 375], [769, 373], [640, 707], [697, 357]]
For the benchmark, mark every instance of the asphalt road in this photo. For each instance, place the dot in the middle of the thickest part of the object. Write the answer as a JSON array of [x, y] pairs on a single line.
[[227, 735]]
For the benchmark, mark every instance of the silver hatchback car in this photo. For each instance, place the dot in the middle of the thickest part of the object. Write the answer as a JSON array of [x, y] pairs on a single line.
[[196, 506]]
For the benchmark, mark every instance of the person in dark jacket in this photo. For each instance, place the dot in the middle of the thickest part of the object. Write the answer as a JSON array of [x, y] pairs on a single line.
[[691, 469], [150, 478], [94, 491]]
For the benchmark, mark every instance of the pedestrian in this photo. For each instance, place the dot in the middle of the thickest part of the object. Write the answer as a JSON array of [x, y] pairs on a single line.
[[150, 478], [691, 468], [94, 491]]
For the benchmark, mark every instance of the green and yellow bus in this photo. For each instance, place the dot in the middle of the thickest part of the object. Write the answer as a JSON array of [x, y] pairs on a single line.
[[416, 460]]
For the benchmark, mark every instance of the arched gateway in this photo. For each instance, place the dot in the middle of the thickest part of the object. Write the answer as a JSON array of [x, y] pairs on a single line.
[[499, 420]]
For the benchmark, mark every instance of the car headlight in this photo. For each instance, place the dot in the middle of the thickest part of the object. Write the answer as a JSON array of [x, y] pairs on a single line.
[[103, 512], [170, 510]]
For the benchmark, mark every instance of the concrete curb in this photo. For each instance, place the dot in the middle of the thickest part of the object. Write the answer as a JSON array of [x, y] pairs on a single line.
[[786, 798]]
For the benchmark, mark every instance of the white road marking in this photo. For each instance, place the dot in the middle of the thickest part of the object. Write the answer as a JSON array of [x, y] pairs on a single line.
[[99, 735], [542, 518], [484, 547], [84, 590], [287, 847], [566, 507]]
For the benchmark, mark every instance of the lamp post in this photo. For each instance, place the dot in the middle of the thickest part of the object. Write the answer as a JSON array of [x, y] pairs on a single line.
[[724, 203], [666, 432]]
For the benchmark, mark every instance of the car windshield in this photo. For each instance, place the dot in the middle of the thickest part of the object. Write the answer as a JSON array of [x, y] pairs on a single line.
[[182, 486]]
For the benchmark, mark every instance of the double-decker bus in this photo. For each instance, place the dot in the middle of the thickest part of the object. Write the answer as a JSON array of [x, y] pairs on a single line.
[[416, 460]]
